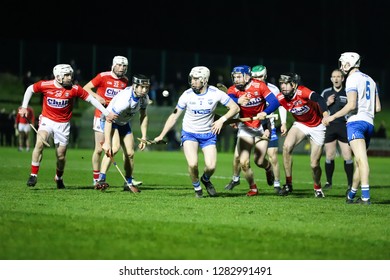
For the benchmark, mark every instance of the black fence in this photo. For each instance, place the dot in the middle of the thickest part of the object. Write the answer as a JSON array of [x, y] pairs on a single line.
[[168, 69]]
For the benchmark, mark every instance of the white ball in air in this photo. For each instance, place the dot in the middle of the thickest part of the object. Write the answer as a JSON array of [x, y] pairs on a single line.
[[165, 93]]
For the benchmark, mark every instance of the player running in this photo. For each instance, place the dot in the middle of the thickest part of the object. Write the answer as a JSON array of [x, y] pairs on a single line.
[[57, 107], [308, 109], [199, 128], [252, 96], [259, 72], [125, 104]]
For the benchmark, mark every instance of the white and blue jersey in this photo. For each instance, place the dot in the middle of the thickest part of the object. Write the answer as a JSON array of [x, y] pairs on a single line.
[[126, 104], [199, 114], [200, 108], [360, 124], [366, 90]]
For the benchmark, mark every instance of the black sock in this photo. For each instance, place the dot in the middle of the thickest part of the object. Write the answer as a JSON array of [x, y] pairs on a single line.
[[329, 169]]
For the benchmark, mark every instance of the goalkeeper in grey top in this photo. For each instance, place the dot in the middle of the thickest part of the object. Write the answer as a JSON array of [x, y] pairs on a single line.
[[199, 129]]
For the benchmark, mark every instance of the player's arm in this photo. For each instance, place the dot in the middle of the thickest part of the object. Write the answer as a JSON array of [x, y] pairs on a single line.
[[233, 110], [107, 138], [143, 121], [89, 87], [282, 115], [273, 103], [170, 122], [378, 106], [233, 97], [349, 107], [23, 111], [321, 101], [109, 115]]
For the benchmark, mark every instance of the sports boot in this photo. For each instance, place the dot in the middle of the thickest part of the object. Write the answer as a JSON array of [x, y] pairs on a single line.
[[231, 185], [286, 190], [32, 181]]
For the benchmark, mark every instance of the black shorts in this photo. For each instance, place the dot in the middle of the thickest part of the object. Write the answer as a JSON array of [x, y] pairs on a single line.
[[336, 131]]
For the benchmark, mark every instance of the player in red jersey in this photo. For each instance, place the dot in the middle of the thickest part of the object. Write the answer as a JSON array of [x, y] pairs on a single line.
[[54, 121], [252, 97], [107, 85], [308, 108], [23, 127]]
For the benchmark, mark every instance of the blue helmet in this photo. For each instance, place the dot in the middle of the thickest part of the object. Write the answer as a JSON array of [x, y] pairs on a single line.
[[245, 70]]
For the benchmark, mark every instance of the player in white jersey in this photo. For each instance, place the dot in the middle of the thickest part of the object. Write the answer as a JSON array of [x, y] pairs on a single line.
[[259, 72], [362, 104], [125, 105], [199, 128]]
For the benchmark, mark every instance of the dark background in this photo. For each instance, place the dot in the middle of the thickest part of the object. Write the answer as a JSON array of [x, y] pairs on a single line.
[[315, 32]]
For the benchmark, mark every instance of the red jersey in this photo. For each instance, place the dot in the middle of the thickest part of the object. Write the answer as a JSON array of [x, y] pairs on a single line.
[[107, 87], [257, 91], [30, 116], [303, 109], [58, 101]]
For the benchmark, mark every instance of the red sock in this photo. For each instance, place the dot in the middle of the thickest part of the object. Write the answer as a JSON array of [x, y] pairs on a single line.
[[96, 174], [289, 180], [317, 187], [34, 169]]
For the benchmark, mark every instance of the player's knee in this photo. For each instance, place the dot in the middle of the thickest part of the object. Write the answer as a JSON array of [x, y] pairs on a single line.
[[245, 165], [287, 148]]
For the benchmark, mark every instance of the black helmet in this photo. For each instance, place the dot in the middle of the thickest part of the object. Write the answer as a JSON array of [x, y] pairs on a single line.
[[289, 78], [140, 79]]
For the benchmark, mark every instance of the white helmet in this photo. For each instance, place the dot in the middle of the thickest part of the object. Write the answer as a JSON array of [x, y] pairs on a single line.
[[349, 60], [121, 60], [199, 72], [259, 72], [60, 70]]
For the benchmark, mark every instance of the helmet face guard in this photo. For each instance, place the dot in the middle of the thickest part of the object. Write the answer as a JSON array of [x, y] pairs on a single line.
[[62, 70], [348, 61], [120, 61], [241, 76], [198, 78], [288, 83], [259, 72], [141, 85]]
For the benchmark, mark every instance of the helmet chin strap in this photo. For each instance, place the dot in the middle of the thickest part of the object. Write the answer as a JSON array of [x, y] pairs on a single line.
[[196, 90], [349, 71], [61, 83]]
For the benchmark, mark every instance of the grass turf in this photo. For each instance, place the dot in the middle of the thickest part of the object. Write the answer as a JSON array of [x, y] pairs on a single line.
[[166, 221]]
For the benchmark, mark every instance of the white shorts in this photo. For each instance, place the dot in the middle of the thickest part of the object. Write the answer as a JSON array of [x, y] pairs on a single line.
[[317, 133], [24, 127], [59, 131], [96, 124], [246, 131]]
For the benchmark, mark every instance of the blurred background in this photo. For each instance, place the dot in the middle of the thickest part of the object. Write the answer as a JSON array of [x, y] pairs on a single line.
[[165, 39]]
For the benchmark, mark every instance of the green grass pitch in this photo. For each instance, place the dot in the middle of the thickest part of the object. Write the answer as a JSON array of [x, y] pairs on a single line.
[[166, 222]]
